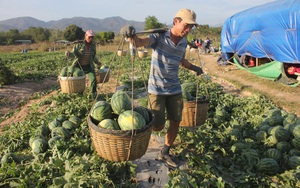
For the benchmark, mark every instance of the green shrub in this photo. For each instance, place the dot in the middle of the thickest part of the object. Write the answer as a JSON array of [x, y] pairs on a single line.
[[6, 75]]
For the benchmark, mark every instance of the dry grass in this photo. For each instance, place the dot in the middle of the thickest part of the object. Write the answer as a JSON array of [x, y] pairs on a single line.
[[40, 47]]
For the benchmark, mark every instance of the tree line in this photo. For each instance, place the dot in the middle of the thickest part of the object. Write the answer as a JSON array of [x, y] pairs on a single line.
[[73, 33], [39, 34]]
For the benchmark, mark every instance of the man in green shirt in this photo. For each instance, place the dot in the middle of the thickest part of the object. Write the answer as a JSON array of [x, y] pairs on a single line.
[[85, 54]]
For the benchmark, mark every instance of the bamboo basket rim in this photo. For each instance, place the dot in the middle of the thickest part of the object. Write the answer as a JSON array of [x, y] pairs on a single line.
[[71, 78], [201, 101]]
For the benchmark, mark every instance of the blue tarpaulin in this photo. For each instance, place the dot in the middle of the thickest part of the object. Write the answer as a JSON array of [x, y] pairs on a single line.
[[270, 31]]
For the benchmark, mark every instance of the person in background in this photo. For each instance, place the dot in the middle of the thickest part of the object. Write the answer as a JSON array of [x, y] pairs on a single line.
[[164, 87], [198, 43], [85, 58], [207, 45]]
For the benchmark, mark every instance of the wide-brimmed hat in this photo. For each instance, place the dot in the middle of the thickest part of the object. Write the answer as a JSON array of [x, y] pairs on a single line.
[[187, 15], [90, 33]]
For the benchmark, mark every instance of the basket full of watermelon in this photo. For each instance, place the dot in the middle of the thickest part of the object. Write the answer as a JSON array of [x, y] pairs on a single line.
[[195, 106], [72, 79], [119, 131]]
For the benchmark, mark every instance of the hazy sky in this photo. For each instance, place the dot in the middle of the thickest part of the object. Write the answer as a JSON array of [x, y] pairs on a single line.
[[212, 12]]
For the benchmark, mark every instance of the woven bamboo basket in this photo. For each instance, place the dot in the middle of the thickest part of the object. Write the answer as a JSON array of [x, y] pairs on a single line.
[[142, 53], [118, 145], [194, 113], [72, 84], [102, 77], [122, 52]]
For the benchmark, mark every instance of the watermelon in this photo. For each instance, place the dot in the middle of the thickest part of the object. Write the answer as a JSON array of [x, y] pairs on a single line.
[[267, 166], [39, 146], [120, 102], [144, 112], [274, 112], [296, 142], [290, 127], [276, 120], [283, 146], [78, 73], [33, 138], [75, 120], [294, 162], [238, 147], [101, 110], [54, 123], [129, 120], [282, 135], [69, 125], [250, 157], [64, 72], [261, 136], [109, 124], [264, 127], [191, 88], [62, 132], [290, 119], [294, 152], [42, 130], [273, 153], [296, 130], [71, 70], [61, 118], [186, 96]]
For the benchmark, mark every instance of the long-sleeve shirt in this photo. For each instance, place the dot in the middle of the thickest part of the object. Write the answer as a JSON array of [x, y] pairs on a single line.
[[85, 56]]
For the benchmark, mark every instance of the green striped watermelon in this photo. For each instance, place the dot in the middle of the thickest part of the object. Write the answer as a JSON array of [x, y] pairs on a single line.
[[129, 120], [267, 166], [120, 102]]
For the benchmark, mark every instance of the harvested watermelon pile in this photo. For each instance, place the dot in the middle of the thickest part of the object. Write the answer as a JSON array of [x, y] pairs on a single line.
[[71, 71], [119, 114], [245, 142]]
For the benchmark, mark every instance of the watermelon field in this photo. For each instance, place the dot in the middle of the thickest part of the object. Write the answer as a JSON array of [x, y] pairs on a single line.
[[245, 141]]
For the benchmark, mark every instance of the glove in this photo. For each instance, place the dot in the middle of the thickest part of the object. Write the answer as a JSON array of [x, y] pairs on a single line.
[[198, 70], [127, 31]]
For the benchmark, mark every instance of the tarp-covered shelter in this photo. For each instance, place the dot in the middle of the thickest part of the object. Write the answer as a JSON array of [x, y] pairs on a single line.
[[268, 31]]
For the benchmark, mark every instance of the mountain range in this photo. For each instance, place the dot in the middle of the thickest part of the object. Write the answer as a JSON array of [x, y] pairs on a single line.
[[98, 25]]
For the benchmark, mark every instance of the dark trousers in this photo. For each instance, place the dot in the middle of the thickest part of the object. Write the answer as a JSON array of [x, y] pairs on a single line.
[[90, 73]]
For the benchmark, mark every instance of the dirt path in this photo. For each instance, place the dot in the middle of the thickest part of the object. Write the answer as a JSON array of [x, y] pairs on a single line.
[[12, 95], [283, 95]]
